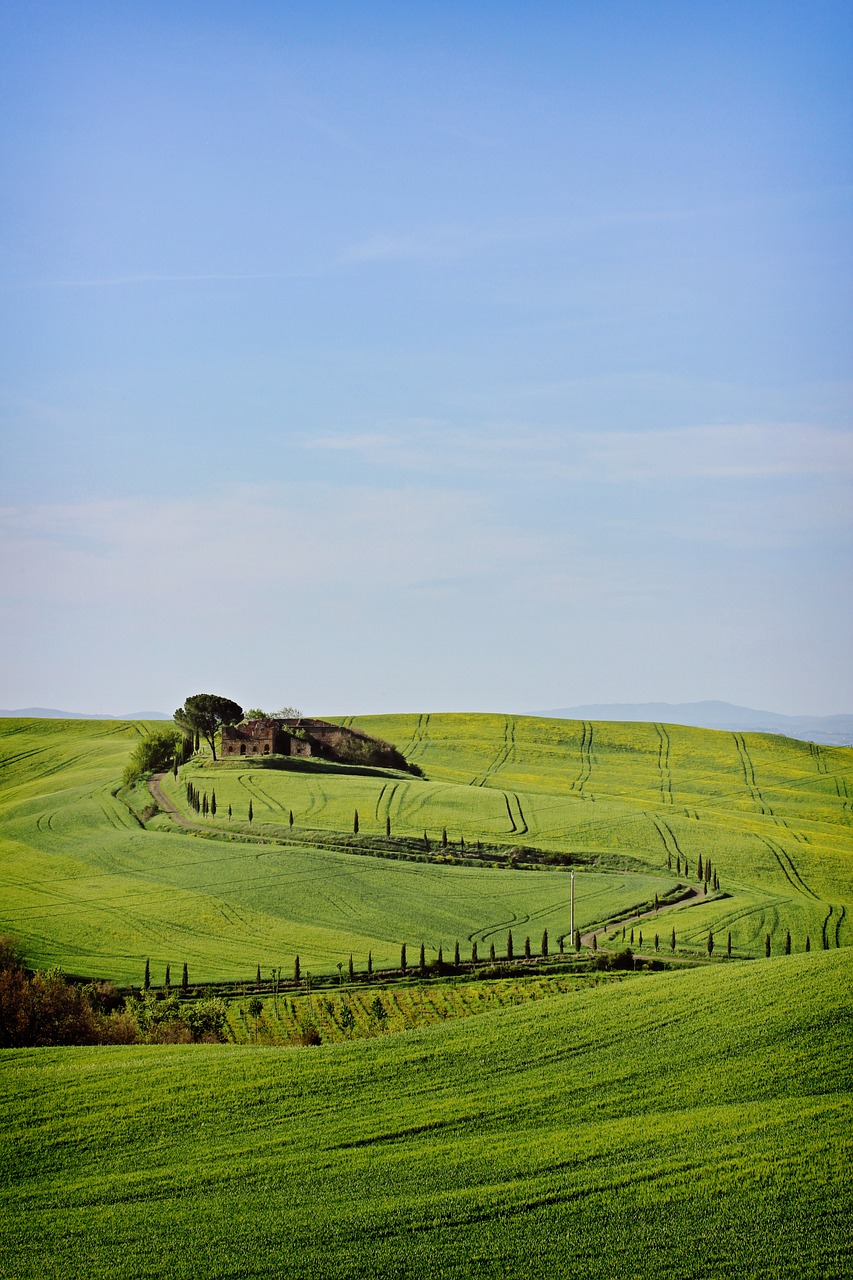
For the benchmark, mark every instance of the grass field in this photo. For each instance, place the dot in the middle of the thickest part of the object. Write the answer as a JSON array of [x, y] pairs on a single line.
[[775, 815], [692, 1124], [683, 1125], [83, 883], [86, 885]]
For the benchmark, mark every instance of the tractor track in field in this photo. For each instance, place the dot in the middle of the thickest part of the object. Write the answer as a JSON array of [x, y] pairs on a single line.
[[668, 837], [418, 743], [506, 749], [763, 806], [789, 871], [843, 795], [663, 765], [585, 761]]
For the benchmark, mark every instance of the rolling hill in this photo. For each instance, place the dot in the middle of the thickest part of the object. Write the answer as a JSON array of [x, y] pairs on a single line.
[[89, 883], [684, 1124]]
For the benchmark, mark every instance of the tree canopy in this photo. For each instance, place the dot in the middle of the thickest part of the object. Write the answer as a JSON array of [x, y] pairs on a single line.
[[204, 713], [151, 755]]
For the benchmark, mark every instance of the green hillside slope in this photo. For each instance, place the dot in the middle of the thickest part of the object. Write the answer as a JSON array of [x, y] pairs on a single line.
[[689, 1124], [84, 884], [775, 815]]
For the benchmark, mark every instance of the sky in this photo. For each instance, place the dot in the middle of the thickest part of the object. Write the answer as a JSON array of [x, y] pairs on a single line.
[[371, 357]]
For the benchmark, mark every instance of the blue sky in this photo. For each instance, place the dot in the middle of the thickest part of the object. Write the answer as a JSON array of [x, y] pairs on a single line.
[[474, 356]]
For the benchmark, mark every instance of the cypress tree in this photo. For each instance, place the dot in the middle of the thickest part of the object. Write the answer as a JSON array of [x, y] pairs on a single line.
[[678, 865], [204, 805], [686, 868], [716, 882], [444, 837], [640, 939], [456, 959], [656, 902], [492, 952], [422, 960], [527, 948], [462, 843], [426, 842], [657, 943], [440, 961], [168, 981], [767, 945], [669, 860], [623, 933], [577, 939], [699, 872], [729, 944], [185, 979], [403, 958], [509, 953], [672, 940], [708, 871], [351, 969], [251, 811], [788, 943], [562, 942], [808, 943], [474, 956], [632, 937], [258, 976], [594, 942], [229, 813], [710, 943], [355, 823], [291, 817], [545, 943], [213, 804], [297, 970], [370, 964], [147, 980], [175, 768], [387, 828]]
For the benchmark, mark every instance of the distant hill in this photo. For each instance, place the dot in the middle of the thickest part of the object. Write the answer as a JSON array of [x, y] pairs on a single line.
[[51, 713], [833, 730]]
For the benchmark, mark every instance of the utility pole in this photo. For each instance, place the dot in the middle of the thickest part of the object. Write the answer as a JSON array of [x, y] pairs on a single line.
[[573, 909]]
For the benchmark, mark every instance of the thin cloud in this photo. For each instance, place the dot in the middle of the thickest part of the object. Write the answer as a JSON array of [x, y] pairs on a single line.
[[727, 453]]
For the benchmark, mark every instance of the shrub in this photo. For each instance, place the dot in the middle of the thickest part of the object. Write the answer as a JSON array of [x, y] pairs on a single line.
[[308, 1035], [153, 754], [206, 1019]]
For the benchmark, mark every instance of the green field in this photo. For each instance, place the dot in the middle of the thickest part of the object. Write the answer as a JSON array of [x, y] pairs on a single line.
[[84, 884], [691, 1124], [682, 1125]]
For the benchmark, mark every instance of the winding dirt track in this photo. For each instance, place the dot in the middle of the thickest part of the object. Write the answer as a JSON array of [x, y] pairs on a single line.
[[167, 805], [690, 897]]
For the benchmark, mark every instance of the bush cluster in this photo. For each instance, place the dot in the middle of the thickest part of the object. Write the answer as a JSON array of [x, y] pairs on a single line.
[[153, 754], [44, 1008]]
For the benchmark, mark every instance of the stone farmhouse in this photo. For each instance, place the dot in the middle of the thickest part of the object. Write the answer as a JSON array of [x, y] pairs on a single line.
[[303, 737], [277, 737]]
